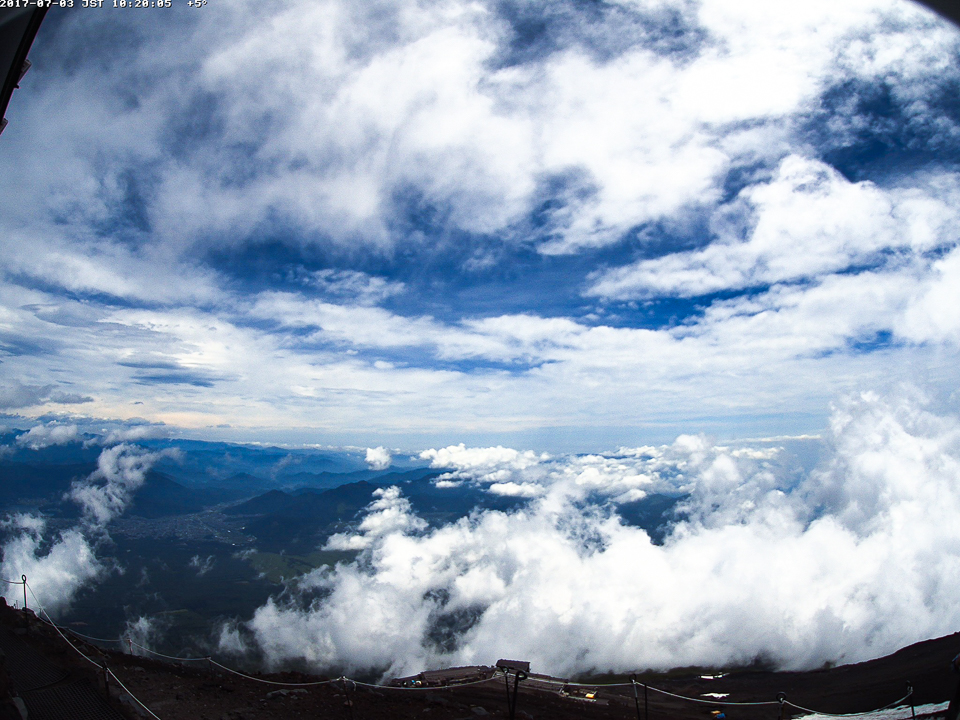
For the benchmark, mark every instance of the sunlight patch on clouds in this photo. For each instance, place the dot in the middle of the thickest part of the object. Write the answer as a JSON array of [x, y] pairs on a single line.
[[810, 222]]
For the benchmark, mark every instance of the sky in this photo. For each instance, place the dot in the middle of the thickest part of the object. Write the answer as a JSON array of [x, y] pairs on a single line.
[[562, 226], [576, 252]]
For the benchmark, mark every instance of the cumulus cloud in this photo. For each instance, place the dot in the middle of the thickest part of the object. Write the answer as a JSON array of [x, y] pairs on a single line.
[[378, 458], [351, 213], [388, 514], [58, 566], [487, 464], [121, 470], [807, 221], [141, 635], [55, 571], [847, 562], [53, 433]]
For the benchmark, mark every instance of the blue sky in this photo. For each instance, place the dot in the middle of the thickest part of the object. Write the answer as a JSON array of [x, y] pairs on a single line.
[[565, 226]]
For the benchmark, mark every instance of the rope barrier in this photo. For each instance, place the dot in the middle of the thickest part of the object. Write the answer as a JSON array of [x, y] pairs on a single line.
[[84, 655], [57, 628], [781, 699], [863, 712], [493, 677], [89, 637], [270, 682], [114, 676], [168, 657]]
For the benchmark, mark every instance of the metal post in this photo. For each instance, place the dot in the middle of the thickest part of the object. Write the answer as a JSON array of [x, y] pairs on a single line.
[[24, 578], [781, 697], [646, 716], [518, 675], [636, 697], [913, 709], [348, 702]]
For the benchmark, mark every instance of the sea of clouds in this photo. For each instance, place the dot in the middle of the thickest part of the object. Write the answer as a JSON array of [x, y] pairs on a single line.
[[850, 561], [764, 558]]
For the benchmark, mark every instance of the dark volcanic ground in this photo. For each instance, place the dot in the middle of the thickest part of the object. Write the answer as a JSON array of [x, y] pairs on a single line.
[[202, 692]]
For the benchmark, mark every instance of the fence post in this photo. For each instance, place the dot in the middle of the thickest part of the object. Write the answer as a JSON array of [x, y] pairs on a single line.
[[348, 702], [636, 697], [518, 675], [781, 698], [24, 578]]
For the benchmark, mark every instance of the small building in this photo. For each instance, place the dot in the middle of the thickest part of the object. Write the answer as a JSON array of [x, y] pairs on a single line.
[[515, 665]]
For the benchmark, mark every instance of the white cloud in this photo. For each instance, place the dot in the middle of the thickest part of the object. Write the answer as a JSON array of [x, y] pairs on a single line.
[[56, 568], [485, 464], [121, 470], [339, 128], [144, 632], [387, 515], [513, 489], [345, 107], [202, 565], [378, 458], [808, 221], [53, 433], [359, 287], [54, 573], [849, 562], [930, 316]]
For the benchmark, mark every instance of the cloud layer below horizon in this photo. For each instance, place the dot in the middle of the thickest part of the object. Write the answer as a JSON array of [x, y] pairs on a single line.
[[556, 225], [850, 561]]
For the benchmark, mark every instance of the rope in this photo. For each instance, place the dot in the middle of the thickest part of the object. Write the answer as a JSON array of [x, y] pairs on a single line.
[[13, 582], [548, 681], [168, 657], [89, 637], [551, 681], [271, 682], [428, 689], [57, 628], [152, 714], [863, 712], [83, 655]]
